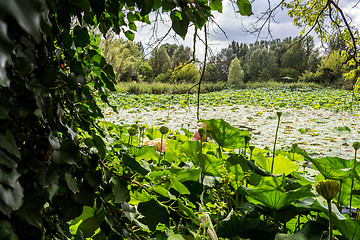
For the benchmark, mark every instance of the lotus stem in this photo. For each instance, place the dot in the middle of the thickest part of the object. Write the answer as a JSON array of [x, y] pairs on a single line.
[[356, 146], [338, 202], [330, 220], [276, 133]]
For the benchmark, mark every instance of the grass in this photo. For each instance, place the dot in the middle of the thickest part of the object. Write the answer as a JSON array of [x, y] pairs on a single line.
[[171, 88]]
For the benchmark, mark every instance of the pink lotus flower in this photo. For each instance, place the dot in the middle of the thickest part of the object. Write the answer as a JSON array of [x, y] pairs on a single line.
[[160, 147], [197, 137]]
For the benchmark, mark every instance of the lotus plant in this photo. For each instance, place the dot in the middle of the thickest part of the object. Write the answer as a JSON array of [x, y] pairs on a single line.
[[328, 189], [277, 130], [356, 146], [158, 143]]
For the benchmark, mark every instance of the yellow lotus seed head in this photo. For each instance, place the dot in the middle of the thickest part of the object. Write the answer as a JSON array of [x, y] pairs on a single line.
[[279, 114], [164, 130], [135, 126], [247, 139], [328, 189]]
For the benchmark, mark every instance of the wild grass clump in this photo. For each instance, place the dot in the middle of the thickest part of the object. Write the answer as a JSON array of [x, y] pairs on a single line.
[[171, 88], [276, 84]]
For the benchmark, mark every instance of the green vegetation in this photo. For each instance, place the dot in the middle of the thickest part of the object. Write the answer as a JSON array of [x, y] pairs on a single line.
[[286, 61], [64, 174], [315, 98]]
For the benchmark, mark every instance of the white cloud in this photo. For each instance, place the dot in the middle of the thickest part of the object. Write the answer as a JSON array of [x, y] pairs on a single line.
[[234, 25]]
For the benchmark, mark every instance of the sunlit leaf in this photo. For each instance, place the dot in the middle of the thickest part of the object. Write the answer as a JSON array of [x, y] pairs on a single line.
[[276, 199], [282, 165], [224, 134]]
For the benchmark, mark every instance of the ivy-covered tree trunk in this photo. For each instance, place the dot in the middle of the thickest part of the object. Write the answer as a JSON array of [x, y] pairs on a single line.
[[52, 74]]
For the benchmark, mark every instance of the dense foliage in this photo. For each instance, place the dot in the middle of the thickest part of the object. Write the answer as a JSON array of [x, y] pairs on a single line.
[[52, 151], [63, 176], [287, 60]]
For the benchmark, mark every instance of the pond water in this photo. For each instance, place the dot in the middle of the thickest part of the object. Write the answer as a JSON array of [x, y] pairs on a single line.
[[320, 132]]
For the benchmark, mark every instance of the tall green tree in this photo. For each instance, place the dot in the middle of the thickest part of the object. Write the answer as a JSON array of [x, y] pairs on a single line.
[[236, 73], [124, 56], [259, 60], [160, 61], [181, 56]]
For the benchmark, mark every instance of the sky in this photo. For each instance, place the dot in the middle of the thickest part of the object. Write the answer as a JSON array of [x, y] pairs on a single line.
[[234, 27]]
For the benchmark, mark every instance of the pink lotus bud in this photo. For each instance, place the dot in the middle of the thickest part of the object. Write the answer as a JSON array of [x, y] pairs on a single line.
[[157, 143], [161, 147]]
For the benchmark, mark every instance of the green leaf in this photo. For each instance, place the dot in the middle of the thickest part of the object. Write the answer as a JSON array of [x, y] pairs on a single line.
[[173, 236], [282, 165], [134, 165], [311, 231], [108, 83], [152, 133], [12, 197], [31, 209], [129, 35], [349, 228], [100, 145], [6, 231], [216, 5], [276, 199], [224, 134], [167, 6], [120, 190], [178, 186], [8, 143], [162, 191], [138, 197], [5, 52], [68, 153], [244, 7], [88, 227], [26, 13], [245, 227], [333, 167], [144, 153], [208, 164], [180, 27], [154, 213], [8, 177], [7, 161], [81, 36], [71, 182], [146, 7], [84, 4]]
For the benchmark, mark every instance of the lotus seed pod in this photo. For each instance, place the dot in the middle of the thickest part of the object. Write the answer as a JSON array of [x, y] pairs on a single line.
[[202, 132], [279, 114], [328, 189], [295, 145], [247, 139], [135, 126], [132, 131], [252, 148], [164, 130], [356, 145]]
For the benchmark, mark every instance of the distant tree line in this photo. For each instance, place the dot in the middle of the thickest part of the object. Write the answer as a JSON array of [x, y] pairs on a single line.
[[287, 60]]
